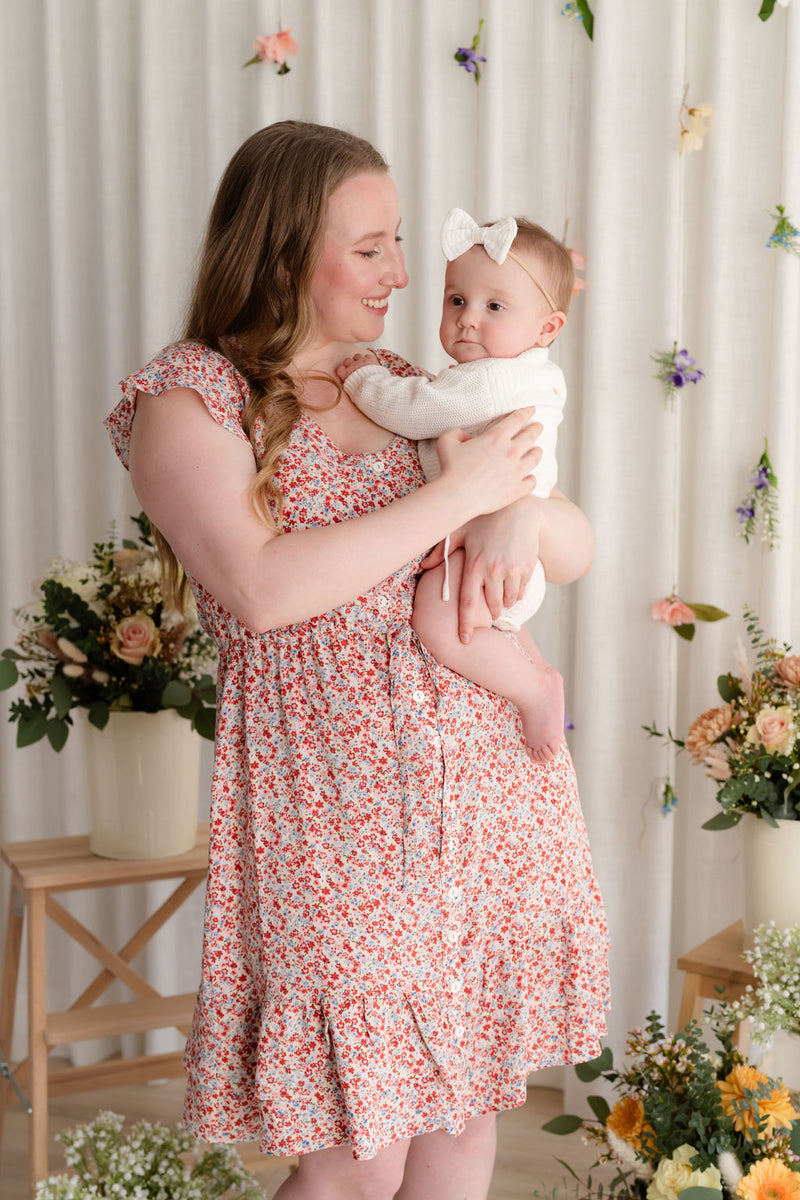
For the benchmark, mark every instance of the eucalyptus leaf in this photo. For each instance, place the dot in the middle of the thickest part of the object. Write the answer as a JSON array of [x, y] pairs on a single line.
[[205, 722], [599, 1106], [684, 631], [129, 545], [567, 1123], [794, 1139], [57, 733], [589, 1071], [8, 673], [176, 694], [728, 688], [62, 695], [700, 1193], [12, 654], [99, 713], [723, 820], [31, 729]]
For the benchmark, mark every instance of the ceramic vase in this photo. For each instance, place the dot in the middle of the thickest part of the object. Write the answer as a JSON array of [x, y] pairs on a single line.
[[771, 873], [142, 775]]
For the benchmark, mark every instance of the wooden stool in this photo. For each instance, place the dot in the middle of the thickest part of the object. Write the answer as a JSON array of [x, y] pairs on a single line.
[[715, 964], [39, 869]]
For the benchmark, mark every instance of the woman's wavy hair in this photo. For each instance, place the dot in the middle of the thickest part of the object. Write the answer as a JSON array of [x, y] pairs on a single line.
[[251, 300]]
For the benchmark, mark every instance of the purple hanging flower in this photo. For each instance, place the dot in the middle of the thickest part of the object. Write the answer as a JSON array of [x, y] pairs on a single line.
[[758, 512], [468, 57], [676, 369]]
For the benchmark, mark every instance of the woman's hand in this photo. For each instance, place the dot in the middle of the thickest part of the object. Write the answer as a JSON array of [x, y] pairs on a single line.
[[498, 466]]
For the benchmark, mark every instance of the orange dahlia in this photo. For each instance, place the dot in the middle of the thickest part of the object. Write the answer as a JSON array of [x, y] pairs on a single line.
[[626, 1119], [706, 729], [769, 1179]]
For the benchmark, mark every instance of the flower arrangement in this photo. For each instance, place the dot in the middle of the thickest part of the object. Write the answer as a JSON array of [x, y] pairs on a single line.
[[759, 509], [468, 57], [274, 47], [676, 368], [100, 637], [784, 236], [149, 1162], [696, 125], [774, 1003], [687, 1118], [681, 615], [749, 745]]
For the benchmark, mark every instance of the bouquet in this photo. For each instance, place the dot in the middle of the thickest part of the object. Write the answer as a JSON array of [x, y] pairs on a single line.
[[99, 636], [687, 1118], [749, 744], [148, 1163]]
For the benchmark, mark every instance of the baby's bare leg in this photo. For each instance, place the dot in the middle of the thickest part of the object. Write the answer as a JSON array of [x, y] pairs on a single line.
[[491, 660]]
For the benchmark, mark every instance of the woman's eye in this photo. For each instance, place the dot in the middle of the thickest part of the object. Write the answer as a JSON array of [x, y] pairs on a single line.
[[369, 253]]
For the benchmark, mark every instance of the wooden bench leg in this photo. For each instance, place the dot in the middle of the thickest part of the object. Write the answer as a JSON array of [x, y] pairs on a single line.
[[37, 1023], [8, 990], [691, 991]]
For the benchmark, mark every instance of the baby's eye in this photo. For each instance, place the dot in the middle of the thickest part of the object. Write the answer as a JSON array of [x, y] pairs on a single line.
[[456, 301], [495, 306]]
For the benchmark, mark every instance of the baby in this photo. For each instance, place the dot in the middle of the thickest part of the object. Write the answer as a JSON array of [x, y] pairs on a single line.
[[506, 294]]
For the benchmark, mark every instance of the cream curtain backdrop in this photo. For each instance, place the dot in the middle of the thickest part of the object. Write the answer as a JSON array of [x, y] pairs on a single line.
[[119, 117]]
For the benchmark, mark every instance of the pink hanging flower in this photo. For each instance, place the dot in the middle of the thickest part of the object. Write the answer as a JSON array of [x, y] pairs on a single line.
[[672, 611], [579, 262], [274, 47]]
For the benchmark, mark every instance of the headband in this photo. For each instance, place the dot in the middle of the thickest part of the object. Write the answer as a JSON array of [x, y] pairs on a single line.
[[460, 233]]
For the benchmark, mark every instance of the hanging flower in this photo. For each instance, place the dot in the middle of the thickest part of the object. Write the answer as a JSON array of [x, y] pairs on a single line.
[[695, 126], [759, 509], [669, 801], [681, 615], [676, 368], [768, 6], [468, 57], [579, 263], [274, 47], [579, 10], [784, 236]]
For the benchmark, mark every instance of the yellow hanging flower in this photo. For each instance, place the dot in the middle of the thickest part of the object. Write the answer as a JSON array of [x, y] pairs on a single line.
[[769, 1179]]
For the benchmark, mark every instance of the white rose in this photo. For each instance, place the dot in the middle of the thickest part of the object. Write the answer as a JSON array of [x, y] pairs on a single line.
[[673, 1175]]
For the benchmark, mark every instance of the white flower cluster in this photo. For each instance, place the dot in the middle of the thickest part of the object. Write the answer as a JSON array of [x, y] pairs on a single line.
[[774, 1003]]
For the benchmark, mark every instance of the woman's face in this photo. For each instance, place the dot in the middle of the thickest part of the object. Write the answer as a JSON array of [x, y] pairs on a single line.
[[361, 261]]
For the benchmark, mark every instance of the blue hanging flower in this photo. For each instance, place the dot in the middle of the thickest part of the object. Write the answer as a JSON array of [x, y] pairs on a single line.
[[468, 57], [784, 236]]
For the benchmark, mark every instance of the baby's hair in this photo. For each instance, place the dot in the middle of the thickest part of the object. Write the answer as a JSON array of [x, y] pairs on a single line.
[[551, 256]]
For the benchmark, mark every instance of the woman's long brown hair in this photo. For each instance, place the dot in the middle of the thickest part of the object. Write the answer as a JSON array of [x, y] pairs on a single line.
[[250, 300]]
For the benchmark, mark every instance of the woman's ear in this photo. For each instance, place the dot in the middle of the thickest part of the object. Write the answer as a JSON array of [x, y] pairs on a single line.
[[551, 328]]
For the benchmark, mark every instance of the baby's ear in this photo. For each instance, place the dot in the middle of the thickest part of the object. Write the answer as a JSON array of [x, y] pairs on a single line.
[[552, 328]]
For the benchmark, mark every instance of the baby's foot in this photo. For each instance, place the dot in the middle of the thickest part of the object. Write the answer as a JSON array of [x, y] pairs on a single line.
[[543, 718]]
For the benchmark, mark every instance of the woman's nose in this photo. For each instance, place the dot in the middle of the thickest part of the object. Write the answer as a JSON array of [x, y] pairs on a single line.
[[396, 275]]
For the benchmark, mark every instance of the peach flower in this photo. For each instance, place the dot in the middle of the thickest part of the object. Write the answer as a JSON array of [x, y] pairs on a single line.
[[774, 729], [704, 731], [789, 670], [672, 611], [134, 638], [275, 47], [717, 763]]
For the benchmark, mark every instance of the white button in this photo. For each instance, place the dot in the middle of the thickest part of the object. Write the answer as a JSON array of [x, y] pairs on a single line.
[[454, 894], [382, 601], [377, 465], [451, 935], [418, 695], [459, 1032]]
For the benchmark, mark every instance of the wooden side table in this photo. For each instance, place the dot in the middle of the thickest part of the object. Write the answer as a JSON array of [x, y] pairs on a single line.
[[715, 964], [38, 870]]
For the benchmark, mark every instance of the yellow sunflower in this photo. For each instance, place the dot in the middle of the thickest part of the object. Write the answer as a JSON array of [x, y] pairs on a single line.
[[769, 1179], [626, 1119]]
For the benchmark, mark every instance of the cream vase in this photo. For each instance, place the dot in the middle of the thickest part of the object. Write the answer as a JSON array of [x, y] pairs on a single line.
[[143, 774], [781, 1058], [771, 873]]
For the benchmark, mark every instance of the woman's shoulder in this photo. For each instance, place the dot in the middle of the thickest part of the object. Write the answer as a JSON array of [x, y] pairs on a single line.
[[222, 388]]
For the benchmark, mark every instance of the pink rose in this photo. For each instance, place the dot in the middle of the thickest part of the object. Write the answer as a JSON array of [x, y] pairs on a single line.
[[789, 670], [274, 47], [672, 611], [134, 638], [775, 730]]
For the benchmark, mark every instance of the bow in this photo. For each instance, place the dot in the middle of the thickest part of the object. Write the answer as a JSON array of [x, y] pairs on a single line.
[[460, 233]]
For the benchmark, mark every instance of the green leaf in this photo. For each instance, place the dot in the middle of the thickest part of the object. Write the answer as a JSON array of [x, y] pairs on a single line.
[[98, 714], [57, 733], [589, 1071], [62, 695], [707, 612], [728, 688], [205, 722], [176, 694], [256, 58], [588, 18], [768, 817], [31, 729], [13, 654], [723, 820], [129, 545], [684, 631], [700, 1193], [599, 1106], [794, 1139], [766, 10], [567, 1167], [8, 673], [564, 1124]]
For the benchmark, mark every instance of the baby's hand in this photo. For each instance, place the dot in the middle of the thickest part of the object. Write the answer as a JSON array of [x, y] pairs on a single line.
[[349, 365]]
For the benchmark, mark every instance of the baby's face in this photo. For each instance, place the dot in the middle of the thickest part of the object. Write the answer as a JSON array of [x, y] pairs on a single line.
[[490, 310]]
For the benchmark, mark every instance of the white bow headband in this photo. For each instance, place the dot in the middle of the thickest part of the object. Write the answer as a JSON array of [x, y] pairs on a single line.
[[460, 233]]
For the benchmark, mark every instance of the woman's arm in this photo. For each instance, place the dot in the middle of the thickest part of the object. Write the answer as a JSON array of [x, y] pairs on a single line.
[[193, 480], [502, 549]]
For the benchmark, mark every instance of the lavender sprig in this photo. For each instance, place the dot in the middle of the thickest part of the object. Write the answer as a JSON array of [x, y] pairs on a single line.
[[758, 512]]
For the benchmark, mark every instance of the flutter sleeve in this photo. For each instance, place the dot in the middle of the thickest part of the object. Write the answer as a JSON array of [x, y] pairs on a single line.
[[221, 387]]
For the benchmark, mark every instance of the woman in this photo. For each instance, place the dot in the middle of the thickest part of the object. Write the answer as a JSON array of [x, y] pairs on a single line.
[[401, 915]]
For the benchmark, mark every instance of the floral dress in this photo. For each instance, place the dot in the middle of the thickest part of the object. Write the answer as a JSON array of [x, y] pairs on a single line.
[[401, 917]]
